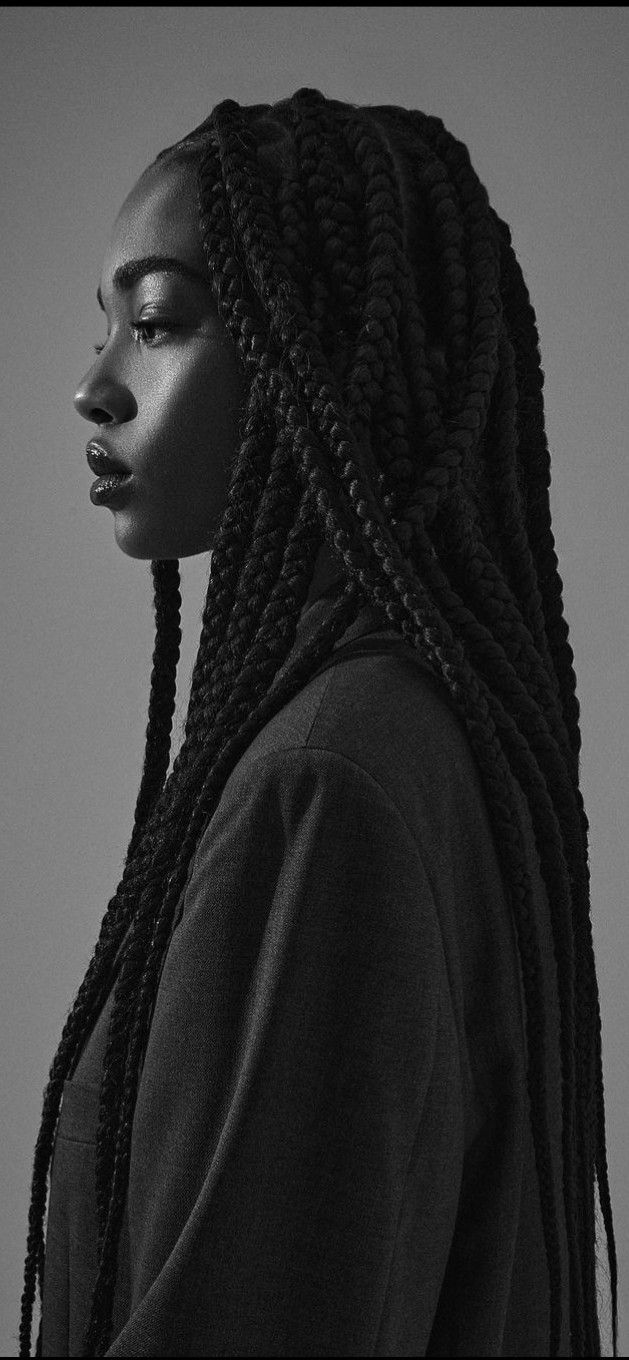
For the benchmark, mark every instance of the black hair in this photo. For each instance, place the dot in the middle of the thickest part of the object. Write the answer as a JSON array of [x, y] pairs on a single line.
[[394, 412]]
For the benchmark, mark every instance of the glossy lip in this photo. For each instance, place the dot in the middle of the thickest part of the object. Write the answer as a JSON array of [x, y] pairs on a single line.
[[107, 491], [102, 462]]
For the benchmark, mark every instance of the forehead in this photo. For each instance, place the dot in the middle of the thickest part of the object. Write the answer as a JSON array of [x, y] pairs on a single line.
[[158, 217]]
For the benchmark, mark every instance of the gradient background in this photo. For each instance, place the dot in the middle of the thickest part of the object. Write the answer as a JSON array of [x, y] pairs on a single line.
[[87, 99]]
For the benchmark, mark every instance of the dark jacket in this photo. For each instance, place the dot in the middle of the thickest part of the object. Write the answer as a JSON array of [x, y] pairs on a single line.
[[331, 1150]]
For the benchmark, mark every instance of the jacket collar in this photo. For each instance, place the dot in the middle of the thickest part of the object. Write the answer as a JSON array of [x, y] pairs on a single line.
[[370, 618]]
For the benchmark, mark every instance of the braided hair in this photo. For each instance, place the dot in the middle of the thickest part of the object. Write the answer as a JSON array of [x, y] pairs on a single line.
[[394, 412]]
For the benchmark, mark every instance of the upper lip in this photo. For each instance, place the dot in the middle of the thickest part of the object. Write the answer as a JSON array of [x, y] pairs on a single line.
[[101, 461]]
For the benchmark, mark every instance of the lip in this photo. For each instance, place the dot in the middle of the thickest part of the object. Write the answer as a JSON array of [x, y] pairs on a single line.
[[111, 490], [102, 462]]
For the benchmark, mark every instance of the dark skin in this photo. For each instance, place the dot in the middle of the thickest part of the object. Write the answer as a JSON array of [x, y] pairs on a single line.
[[167, 402]]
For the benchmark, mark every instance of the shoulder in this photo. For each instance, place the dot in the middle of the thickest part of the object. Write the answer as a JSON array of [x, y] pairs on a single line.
[[364, 790], [375, 731]]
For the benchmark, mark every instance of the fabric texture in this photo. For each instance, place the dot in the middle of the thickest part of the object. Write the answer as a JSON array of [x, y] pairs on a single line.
[[331, 1150]]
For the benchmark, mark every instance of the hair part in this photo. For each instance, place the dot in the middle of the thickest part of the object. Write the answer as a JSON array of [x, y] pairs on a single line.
[[394, 412]]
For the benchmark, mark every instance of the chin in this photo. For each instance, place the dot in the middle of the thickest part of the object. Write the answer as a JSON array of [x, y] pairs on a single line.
[[157, 550], [133, 545]]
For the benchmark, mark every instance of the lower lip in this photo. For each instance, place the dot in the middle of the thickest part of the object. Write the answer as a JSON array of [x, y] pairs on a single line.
[[106, 489]]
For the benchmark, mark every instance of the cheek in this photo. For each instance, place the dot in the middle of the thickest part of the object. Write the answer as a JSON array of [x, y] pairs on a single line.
[[195, 421], [187, 438]]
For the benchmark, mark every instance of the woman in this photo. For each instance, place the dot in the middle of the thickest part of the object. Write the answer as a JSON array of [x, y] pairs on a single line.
[[332, 1084]]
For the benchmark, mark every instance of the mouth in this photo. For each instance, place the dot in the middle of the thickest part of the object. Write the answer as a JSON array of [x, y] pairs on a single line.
[[103, 463]]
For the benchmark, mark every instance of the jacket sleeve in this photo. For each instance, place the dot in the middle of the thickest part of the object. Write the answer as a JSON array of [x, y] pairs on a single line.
[[298, 1136]]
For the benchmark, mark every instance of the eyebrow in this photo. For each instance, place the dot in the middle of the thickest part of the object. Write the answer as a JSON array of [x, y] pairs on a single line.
[[127, 274]]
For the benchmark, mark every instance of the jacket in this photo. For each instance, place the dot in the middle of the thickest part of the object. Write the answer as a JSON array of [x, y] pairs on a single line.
[[331, 1150]]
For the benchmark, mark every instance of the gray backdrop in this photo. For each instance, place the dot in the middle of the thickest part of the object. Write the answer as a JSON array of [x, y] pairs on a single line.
[[87, 98]]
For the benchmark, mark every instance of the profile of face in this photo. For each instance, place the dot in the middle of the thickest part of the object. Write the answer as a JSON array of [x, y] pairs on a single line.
[[166, 392]]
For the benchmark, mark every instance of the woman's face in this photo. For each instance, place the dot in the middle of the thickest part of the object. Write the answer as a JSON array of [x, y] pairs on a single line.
[[166, 392]]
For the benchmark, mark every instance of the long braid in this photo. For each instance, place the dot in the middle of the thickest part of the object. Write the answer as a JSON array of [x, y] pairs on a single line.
[[505, 494], [280, 488], [295, 234], [587, 1004], [487, 656], [117, 1091], [231, 548], [254, 347], [316, 377], [308, 267], [587, 991], [419, 512], [483, 648], [123, 1061], [465, 183], [167, 595], [97, 1332], [91, 993], [534, 450], [539, 531], [471, 582], [587, 994]]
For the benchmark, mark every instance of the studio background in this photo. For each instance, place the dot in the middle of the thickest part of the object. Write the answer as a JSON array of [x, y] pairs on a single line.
[[88, 96]]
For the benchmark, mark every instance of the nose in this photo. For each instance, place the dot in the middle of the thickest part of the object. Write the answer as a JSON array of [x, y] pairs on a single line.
[[93, 406], [103, 400]]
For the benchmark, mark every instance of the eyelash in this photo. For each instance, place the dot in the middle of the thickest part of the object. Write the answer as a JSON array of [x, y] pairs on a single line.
[[140, 326]]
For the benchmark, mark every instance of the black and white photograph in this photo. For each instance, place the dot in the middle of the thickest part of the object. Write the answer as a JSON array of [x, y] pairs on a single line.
[[315, 677]]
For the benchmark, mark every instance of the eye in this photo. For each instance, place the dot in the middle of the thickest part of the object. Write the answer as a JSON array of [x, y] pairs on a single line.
[[152, 324]]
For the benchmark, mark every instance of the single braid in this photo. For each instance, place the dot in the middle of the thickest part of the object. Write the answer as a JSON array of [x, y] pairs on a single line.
[[167, 605]]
